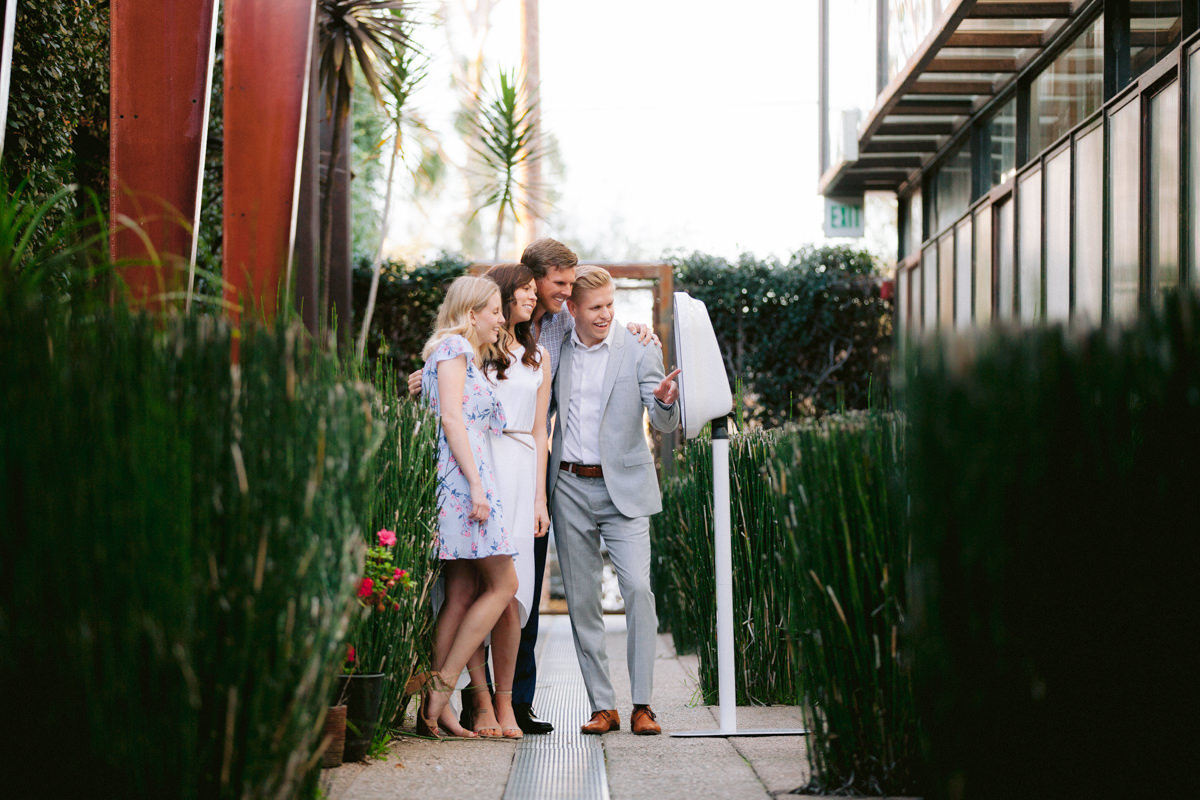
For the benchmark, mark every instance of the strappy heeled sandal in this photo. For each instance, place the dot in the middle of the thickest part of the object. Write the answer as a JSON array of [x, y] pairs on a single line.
[[426, 726], [509, 733], [490, 731]]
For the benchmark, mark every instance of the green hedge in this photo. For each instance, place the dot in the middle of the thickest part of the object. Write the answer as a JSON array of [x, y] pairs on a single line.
[[820, 559], [57, 129], [805, 337], [405, 308], [1054, 526]]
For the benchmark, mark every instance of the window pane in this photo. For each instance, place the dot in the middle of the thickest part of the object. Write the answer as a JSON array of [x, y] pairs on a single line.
[[1089, 225], [1005, 263], [1154, 30], [914, 299], [1194, 162], [851, 74], [962, 275], [1124, 144], [1068, 90], [929, 274], [1163, 213], [1029, 246], [1058, 236], [916, 231], [952, 187], [946, 282], [999, 142], [983, 265]]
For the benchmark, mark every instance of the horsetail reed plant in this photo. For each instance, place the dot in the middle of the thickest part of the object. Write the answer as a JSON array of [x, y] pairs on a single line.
[[1054, 555], [181, 540], [402, 498], [820, 557], [840, 494]]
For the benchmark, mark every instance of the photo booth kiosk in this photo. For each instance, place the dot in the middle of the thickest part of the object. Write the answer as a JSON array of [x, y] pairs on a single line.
[[704, 397]]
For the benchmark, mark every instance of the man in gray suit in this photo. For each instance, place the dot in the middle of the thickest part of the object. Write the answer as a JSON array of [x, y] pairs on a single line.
[[603, 488]]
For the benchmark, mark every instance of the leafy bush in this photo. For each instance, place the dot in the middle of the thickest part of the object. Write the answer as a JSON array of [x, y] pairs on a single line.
[[807, 337], [1053, 557], [58, 106], [819, 576], [405, 308]]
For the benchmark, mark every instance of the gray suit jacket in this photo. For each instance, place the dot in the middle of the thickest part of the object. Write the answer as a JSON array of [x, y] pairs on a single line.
[[634, 372]]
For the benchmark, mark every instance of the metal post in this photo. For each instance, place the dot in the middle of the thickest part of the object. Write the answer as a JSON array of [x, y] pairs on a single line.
[[10, 29], [723, 549]]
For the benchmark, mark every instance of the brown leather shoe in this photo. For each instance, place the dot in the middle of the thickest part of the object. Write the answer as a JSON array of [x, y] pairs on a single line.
[[642, 722], [602, 722]]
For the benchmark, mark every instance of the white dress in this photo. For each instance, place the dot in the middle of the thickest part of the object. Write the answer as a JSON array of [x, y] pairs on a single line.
[[515, 462]]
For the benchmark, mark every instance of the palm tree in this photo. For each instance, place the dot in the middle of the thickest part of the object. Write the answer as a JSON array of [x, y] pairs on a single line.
[[504, 136], [405, 73], [354, 35]]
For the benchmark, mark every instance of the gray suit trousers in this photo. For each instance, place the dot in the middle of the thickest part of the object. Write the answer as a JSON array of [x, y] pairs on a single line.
[[584, 516]]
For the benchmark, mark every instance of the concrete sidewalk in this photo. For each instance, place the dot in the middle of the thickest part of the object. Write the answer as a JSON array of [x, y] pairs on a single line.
[[636, 767]]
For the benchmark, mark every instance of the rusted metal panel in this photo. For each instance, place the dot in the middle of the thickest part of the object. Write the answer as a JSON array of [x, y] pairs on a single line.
[[267, 57], [161, 66]]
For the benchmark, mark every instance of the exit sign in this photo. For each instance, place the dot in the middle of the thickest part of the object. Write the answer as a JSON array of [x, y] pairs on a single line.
[[843, 218]]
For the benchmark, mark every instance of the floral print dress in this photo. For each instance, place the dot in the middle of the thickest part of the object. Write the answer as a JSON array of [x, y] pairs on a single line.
[[458, 536]]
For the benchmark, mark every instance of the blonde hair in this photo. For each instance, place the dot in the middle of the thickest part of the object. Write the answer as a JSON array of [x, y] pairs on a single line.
[[590, 277], [466, 294]]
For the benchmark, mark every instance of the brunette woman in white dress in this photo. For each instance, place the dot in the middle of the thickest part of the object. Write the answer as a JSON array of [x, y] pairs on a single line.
[[519, 456]]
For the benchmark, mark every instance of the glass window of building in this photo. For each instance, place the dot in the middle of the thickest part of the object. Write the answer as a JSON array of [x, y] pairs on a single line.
[[983, 265], [962, 275], [929, 279], [1163, 211], [998, 142], [952, 187], [1069, 89], [850, 71], [1088, 227], [1124, 221], [1155, 29], [914, 299], [916, 223], [946, 281], [1194, 162], [1006, 279], [909, 22], [1029, 245], [1057, 221]]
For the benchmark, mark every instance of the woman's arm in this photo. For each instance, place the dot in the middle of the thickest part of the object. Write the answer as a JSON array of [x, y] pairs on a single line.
[[541, 514], [452, 378]]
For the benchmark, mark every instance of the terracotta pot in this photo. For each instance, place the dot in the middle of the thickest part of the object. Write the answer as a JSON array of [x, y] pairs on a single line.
[[335, 736]]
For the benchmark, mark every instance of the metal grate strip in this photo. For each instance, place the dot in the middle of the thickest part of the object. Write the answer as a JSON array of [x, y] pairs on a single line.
[[563, 765]]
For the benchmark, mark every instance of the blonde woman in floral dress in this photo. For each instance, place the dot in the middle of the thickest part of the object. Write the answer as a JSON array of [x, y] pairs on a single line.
[[473, 541], [521, 378]]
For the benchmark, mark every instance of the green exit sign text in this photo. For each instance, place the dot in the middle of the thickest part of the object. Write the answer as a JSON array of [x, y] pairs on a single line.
[[844, 217]]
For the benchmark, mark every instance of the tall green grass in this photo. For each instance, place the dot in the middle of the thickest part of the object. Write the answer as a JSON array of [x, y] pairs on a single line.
[[181, 541], [841, 501], [1055, 558], [820, 557], [683, 570], [402, 498]]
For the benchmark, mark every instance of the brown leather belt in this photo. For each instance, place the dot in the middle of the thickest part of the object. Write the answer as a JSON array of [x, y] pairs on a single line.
[[582, 470]]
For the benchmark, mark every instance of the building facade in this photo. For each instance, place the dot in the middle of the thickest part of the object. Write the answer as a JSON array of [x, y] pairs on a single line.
[[1045, 155]]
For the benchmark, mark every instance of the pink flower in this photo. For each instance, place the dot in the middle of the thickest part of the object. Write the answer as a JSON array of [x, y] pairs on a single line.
[[399, 574], [366, 588], [350, 654], [386, 538], [395, 606]]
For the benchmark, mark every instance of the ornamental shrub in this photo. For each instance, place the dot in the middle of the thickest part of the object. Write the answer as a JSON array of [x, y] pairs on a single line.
[[57, 130], [405, 308], [805, 337]]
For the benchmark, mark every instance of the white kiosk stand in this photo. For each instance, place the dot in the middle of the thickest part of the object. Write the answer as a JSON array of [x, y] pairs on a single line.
[[704, 397]]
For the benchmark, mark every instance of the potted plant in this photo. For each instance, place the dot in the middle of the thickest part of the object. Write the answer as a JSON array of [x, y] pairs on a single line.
[[360, 687]]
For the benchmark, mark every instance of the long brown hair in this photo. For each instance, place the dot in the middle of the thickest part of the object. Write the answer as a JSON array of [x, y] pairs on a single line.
[[510, 277]]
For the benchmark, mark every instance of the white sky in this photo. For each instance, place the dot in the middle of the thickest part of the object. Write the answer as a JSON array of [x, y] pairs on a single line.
[[681, 125]]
